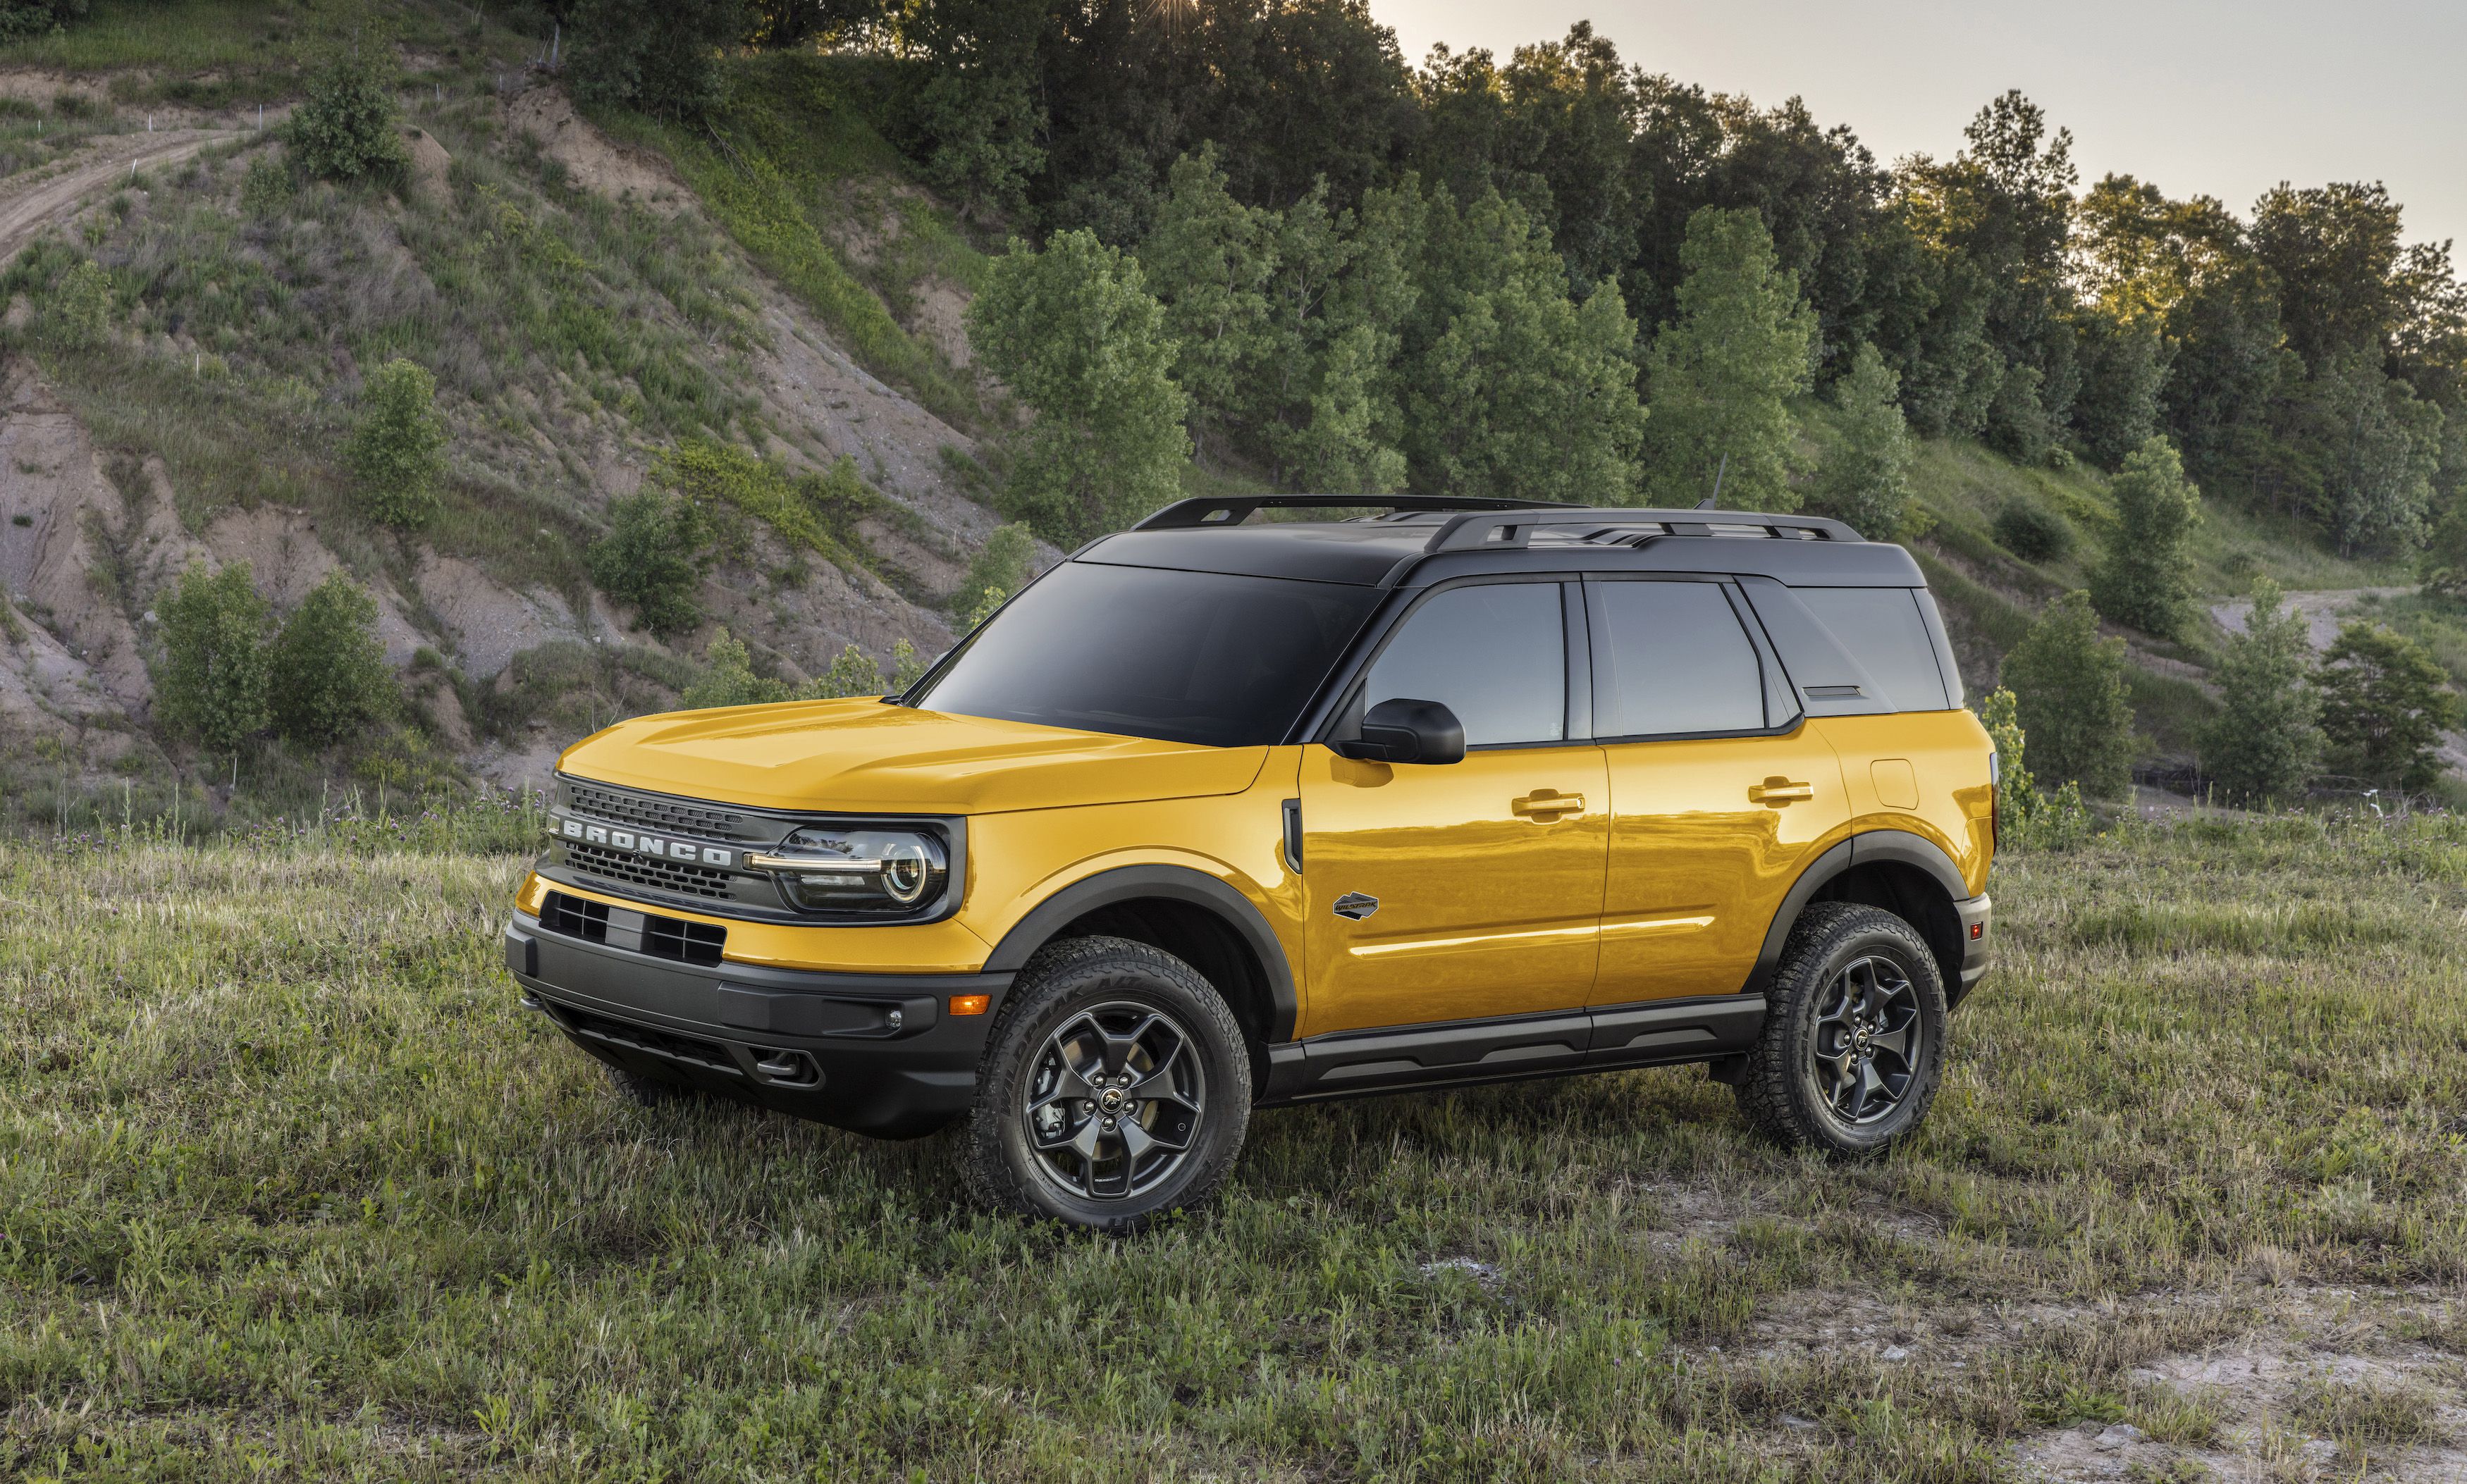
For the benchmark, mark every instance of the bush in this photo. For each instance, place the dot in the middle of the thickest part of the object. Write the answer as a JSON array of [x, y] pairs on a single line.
[[999, 569], [728, 678], [659, 55], [211, 684], [2384, 708], [23, 19], [2147, 579], [348, 129], [653, 558], [80, 315], [328, 671], [2025, 817], [2033, 532], [2068, 689], [399, 449], [2264, 746]]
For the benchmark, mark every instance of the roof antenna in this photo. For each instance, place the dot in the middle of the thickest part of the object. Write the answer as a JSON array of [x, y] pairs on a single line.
[[1707, 503]]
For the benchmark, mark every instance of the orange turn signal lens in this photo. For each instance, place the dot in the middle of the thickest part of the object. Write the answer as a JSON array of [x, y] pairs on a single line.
[[970, 1004]]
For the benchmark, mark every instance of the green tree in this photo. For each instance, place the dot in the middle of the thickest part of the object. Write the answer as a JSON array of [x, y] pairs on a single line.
[[23, 19], [1075, 333], [399, 448], [1510, 388], [78, 317], [976, 114], [2264, 745], [2147, 579], [2384, 708], [728, 678], [1721, 375], [2124, 363], [211, 684], [1212, 257], [1866, 479], [1000, 568], [2380, 446], [348, 129], [2069, 687], [661, 57], [2026, 816], [854, 673], [653, 558], [328, 671]]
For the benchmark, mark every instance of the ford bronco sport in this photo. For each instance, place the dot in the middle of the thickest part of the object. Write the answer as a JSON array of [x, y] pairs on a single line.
[[1224, 812]]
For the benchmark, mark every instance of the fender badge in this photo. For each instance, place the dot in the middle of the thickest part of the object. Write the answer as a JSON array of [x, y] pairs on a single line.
[[1355, 906]]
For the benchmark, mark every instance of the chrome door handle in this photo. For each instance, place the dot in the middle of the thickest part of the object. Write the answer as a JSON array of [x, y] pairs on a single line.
[[1546, 804], [1779, 791]]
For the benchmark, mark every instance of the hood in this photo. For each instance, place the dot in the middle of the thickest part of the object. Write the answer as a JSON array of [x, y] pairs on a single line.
[[866, 756]]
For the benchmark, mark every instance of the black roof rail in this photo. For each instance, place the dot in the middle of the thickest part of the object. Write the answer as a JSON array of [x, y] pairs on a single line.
[[1478, 530], [1233, 510]]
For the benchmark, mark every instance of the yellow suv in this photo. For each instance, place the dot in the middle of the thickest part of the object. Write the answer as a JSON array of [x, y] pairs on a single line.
[[1224, 812]]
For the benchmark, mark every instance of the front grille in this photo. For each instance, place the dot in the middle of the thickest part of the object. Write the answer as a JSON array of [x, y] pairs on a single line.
[[646, 933], [667, 814], [642, 870], [690, 1049]]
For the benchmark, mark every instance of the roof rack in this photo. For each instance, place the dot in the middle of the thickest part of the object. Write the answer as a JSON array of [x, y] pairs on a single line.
[[1588, 525], [1233, 510]]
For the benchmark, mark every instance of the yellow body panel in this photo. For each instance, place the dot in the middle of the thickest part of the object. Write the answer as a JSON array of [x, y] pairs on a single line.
[[1937, 760], [1707, 838], [1661, 883], [1483, 911]]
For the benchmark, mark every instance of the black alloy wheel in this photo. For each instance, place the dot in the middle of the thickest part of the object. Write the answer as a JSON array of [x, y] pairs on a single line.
[[1115, 1087], [1852, 1045]]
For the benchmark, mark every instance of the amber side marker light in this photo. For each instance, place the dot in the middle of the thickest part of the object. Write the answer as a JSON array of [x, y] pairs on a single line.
[[970, 1004]]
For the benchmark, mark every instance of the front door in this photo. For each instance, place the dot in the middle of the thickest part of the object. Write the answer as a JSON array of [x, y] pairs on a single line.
[[1459, 890], [1721, 793]]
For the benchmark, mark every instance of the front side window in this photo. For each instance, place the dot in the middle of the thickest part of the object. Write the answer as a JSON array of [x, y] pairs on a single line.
[[1199, 657], [1673, 660], [1495, 654]]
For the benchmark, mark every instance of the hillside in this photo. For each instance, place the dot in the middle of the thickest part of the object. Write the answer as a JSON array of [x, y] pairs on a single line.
[[583, 312], [593, 293]]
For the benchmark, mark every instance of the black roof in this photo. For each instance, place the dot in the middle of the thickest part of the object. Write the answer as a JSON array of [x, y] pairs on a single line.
[[1424, 539]]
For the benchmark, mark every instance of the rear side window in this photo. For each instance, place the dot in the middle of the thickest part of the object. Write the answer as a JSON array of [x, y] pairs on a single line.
[[1495, 654], [1883, 628], [1672, 659]]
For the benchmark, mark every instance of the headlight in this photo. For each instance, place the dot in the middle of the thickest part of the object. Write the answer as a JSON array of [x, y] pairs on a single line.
[[886, 871]]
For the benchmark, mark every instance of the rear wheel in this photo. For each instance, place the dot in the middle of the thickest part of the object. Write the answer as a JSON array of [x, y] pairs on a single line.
[[1853, 1039], [1115, 1087]]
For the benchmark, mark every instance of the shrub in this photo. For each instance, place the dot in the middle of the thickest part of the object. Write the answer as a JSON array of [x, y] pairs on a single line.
[[328, 671], [399, 449], [728, 678], [23, 19], [80, 315], [348, 129], [653, 558], [2264, 746], [2025, 817], [999, 569], [2384, 708], [2069, 689], [659, 55], [211, 684], [2033, 532], [2147, 579]]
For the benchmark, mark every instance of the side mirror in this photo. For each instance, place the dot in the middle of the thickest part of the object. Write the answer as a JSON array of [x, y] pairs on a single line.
[[1408, 731]]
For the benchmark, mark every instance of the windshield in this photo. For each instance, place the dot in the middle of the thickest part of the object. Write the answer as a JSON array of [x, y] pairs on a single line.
[[1179, 656]]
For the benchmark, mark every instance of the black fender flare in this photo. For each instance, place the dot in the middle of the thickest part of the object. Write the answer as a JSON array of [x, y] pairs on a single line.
[[1173, 883], [1867, 849]]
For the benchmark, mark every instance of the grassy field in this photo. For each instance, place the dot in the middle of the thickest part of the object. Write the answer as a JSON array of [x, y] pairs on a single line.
[[290, 1187]]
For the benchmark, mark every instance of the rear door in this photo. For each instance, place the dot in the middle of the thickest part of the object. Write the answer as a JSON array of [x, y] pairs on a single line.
[[1720, 794], [1466, 890]]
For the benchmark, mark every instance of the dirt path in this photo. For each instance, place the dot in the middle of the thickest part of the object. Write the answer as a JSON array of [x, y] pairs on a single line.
[[2323, 610], [50, 194]]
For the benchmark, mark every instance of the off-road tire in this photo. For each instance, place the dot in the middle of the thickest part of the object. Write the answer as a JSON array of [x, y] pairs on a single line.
[[1114, 983], [1784, 1093]]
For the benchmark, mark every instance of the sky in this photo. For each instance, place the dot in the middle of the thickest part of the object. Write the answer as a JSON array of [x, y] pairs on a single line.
[[2224, 98]]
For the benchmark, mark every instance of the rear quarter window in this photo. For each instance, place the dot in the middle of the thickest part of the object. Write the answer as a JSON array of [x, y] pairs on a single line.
[[1884, 629]]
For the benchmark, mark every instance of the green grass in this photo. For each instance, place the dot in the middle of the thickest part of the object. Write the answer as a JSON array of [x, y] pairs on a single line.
[[785, 166], [291, 1187]]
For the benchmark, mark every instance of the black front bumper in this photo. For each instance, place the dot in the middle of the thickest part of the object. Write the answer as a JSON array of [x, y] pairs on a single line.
[[878, 1053]]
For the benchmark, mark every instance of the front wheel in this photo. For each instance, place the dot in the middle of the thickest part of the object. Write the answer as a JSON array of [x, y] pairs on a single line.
[[1115, 1087], [1853, 1040]]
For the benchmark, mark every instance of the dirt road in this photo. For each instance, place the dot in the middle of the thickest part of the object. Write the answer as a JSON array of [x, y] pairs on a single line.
[[51, 194]]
